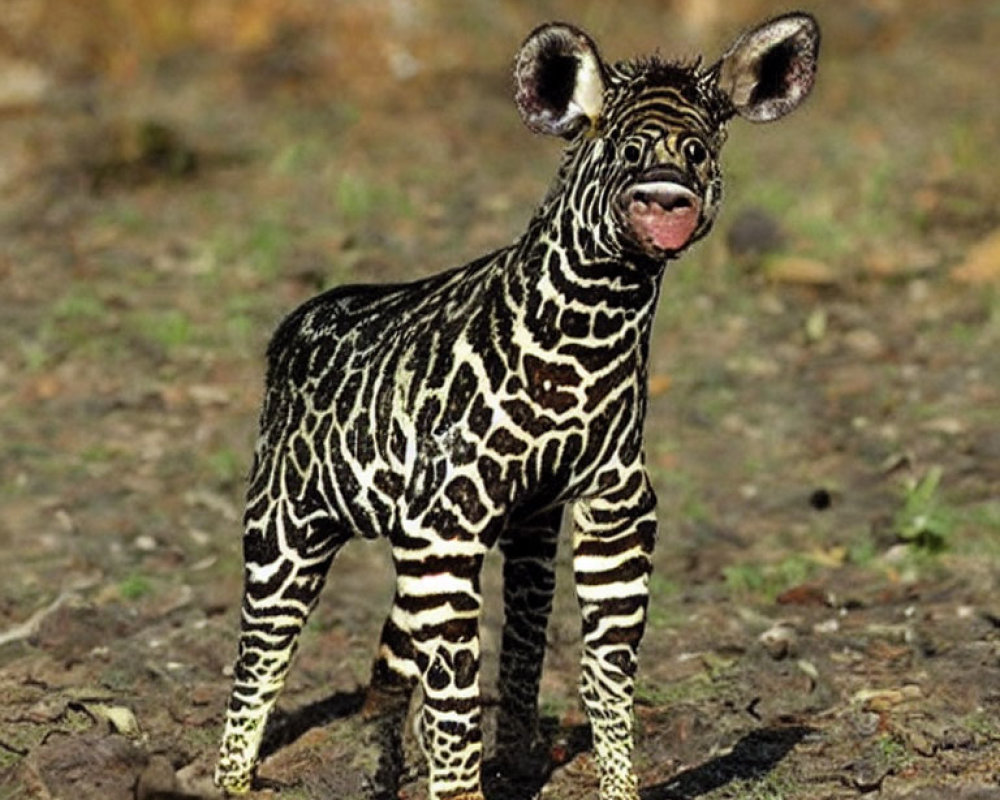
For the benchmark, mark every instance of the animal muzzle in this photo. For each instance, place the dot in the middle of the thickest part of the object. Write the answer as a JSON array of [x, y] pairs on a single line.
[[662, 212]]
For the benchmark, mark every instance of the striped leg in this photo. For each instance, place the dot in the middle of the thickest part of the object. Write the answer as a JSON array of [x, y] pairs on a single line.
[[440, 597], [394, 676], [284, 573], [613, 542], [529, 583]]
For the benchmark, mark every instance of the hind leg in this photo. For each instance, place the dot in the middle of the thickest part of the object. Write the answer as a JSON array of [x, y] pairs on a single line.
[[394, 677], [285, 569], [529, 583]]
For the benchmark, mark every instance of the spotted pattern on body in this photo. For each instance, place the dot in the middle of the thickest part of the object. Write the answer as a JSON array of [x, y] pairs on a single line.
[[469, 409]]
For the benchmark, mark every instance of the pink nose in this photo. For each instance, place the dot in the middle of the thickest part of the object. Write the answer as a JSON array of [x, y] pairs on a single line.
[[663, 215]]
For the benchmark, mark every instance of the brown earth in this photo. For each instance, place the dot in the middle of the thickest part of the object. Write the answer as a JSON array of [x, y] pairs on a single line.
[[824, 427]]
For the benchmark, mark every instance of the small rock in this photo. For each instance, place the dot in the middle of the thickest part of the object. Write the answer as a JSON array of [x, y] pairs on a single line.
[[754, 232], [867, 775], [157, 780], [88, 767], [949, 426], [120, 718], [809, 669], [921, 743], [864, 343], [866, 723], [881, 700], [831, 625], [912, 692], [779, 640], [816, 324]]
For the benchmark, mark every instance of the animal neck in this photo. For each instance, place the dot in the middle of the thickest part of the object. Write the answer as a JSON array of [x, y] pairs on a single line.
[[564, 258], [571, 297]]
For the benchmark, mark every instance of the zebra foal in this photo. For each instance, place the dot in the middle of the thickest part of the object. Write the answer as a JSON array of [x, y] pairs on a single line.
[[466, 410]]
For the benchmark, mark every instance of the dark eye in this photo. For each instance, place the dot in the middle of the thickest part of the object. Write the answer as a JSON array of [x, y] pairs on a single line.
[[695, 152], [631, 152]]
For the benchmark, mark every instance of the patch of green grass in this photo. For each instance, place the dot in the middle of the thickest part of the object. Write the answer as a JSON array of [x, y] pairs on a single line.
[[298, 156], [771, 786], [358, 198], [78, 305], [925, 520], [135, 587], [36, 354], [247, 319], [893, 752], [267, 245], [98, 453], [862, 549], [261, 243], [981, 725], [984, 519], [767, 581], [125, 215], [681, 492], [556, 707], [692, 689], [240, 330], [227, 466], [170, 328], [966, 148], [662, 611]]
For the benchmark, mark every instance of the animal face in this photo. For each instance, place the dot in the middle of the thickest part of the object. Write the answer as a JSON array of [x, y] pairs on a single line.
[[642, 168]]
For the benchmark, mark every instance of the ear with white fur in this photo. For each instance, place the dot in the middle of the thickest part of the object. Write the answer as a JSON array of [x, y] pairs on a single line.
[[769, 70], [559, 80]]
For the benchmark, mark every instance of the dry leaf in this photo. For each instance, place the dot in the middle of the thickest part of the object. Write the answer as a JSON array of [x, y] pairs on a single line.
[[121, 719], [831, 557], [658, 384], [805, 271], [878, 699], [982, 262]]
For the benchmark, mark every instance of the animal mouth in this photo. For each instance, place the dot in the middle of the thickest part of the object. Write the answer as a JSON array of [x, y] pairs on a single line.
[[662, 213]]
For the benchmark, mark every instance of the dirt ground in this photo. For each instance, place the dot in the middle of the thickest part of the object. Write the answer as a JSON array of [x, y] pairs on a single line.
[[824, 433]]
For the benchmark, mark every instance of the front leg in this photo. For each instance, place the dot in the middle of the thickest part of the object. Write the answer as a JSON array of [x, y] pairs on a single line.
[[612, 547], [438, 592]]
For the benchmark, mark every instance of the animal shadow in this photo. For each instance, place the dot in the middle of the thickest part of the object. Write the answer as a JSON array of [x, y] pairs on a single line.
[[754, 756], [285, 727]]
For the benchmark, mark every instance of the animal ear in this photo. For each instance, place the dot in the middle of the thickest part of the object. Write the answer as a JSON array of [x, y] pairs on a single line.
[[769, 70], [559, 80]]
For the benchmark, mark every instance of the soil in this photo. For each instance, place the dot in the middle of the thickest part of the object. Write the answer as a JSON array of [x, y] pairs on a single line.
[[823, 431]]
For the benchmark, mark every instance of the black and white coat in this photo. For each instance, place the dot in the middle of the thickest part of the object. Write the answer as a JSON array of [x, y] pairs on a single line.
[[468, 409]]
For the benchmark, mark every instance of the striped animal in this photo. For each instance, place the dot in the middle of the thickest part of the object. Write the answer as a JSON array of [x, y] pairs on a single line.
[[468, 409]]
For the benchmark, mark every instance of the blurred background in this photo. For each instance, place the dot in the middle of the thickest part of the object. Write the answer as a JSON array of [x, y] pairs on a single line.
[[175, 176]]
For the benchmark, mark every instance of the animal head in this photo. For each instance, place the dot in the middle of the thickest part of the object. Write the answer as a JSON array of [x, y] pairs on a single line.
[[641, 174]]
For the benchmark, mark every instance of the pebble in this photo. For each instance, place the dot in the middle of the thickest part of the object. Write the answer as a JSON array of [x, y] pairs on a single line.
[[780, 640], [864, 343], [827, 626], [867, 775], [157, 780], [754, 232]]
